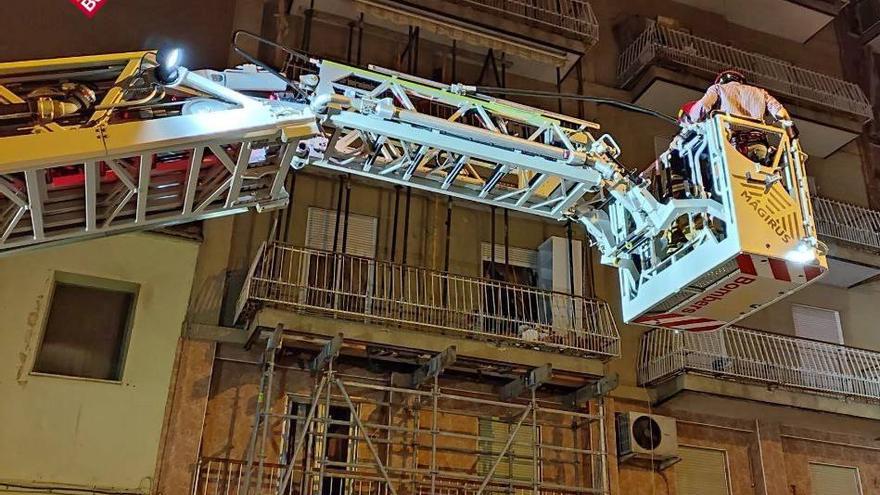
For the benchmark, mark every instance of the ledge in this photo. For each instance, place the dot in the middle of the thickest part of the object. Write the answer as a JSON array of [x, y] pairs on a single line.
[[667, 391], [383, 335]]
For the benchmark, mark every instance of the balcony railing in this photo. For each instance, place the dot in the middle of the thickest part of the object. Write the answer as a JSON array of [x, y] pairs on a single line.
[[364, 289], [846, 222], [660, 43], [570, 17], [753, 356], [216, 476]]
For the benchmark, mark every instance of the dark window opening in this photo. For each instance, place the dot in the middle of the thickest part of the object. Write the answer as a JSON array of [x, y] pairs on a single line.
[[86, 332], [338, 445], [510, 307]]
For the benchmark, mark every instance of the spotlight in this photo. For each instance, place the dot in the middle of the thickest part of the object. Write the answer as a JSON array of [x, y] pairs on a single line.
[[168, 71], [804, 253]]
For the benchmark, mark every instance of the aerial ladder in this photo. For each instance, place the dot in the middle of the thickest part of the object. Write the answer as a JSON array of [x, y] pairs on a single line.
[[92, 146]]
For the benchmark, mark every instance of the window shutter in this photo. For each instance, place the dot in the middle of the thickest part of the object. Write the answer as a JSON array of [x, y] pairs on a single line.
[[839, 480], [701, 472], [518, 256], [517, 463], [361, 232], [817, 323]]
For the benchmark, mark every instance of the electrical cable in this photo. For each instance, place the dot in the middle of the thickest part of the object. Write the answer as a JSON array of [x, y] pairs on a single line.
[[250, 58], [572, 96]]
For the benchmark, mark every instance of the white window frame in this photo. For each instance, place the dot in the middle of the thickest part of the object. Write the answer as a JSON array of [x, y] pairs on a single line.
[[306, 264]]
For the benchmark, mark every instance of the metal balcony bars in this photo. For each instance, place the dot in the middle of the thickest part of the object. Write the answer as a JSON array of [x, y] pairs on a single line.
[[364, 289], [847, 222], [572, 17], [662, 43], [753, 356]]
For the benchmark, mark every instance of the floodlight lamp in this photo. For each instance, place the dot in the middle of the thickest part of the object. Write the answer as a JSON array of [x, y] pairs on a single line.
[[168, 71], [803, 253]]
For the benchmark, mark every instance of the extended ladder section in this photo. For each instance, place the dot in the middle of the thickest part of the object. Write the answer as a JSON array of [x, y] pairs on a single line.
[[435, 137], [95, 145]]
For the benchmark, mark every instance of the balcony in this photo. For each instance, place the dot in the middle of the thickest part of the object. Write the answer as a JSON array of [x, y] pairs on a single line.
[[215, 476], [864, 21], [573, 18], [661, 44], [536, 36], [796, 20], [830, 111], [364, 290], [853, 235], [846, 222], [756, 357]]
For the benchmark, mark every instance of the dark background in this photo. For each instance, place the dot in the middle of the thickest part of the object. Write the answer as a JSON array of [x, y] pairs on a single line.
[[33, 29]]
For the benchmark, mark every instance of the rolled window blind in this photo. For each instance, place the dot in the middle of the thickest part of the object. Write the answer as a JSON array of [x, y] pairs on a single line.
[[702, 472]]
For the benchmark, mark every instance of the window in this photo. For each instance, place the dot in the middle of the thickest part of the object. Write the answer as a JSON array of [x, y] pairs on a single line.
[[339, 443], [361, 238], [87, 328], [333, 280], [505, 306], [518, 257], [839, 480], [817, 323], [517, 462], [702, 472]]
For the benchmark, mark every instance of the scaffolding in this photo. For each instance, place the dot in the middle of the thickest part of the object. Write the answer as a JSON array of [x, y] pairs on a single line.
[[415, 433]]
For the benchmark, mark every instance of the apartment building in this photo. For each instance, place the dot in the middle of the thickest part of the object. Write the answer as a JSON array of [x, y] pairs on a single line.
[[369, 339]]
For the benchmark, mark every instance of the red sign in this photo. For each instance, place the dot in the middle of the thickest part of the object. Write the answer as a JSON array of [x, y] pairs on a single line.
[[89, 7]]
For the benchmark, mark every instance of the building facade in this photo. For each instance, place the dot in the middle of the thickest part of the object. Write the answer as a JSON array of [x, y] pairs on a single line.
[[370, 339]]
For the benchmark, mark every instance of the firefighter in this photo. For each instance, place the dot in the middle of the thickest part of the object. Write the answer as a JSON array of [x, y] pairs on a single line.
[[684, 113], [731, 94]]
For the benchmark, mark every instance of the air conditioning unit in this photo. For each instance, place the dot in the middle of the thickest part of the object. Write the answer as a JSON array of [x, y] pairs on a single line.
[[647, 437]]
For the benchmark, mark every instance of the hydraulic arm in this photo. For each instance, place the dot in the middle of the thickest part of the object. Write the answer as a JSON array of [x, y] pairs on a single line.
[[95, 145]]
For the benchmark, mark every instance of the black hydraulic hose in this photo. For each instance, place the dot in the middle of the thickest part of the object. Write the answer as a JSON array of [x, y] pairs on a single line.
[[250, 58], [571, 96]]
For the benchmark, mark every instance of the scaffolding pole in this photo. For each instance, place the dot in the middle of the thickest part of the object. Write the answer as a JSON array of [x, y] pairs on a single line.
[[438, 470]]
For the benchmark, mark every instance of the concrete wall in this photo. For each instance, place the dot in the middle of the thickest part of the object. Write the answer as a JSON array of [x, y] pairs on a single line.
[[768, 448], [857, 307], [86, 432]]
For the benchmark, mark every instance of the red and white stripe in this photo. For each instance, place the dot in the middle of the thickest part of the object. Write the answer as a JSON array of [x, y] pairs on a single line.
[[776, 268], [678, 321]]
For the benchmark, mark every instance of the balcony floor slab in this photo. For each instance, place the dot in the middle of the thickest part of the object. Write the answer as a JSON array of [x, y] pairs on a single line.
[[685, 386], [383, 335]]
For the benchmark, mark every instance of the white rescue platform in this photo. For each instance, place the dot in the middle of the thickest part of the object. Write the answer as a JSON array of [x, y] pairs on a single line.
[[728, 266]]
